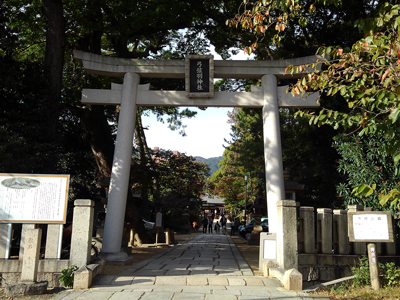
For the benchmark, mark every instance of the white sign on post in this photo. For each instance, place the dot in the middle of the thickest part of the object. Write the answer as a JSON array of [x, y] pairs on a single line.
[[28, 198], [370, 226]]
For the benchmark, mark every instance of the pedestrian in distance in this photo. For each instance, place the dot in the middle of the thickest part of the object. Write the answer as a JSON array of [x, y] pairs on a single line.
[[216, 227], [210, 224], [195, 226], [223, 224], [204, 222]]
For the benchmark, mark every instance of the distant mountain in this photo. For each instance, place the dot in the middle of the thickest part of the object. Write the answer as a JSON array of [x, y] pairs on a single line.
[[212, 162]]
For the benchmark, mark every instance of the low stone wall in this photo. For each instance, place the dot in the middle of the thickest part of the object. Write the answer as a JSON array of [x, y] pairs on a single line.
[[48, 270], [319, 268]]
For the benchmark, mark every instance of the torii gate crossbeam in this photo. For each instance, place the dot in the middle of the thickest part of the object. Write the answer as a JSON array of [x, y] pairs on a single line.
[[269, 97]]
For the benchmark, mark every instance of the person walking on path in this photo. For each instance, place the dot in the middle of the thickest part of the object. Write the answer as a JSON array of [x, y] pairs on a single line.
[[210, 224], [195, 226], [216, 227], [204, 222], [223, 224]]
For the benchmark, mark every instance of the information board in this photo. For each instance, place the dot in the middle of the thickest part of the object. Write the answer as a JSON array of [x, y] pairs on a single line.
[[199, 75], [370, 226], [28, 198]]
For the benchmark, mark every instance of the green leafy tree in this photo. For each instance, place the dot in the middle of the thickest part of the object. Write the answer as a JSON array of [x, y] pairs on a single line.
[[179, 181], [308, 155], [243, 156], [228, 182], [365, 162], [365, 73]]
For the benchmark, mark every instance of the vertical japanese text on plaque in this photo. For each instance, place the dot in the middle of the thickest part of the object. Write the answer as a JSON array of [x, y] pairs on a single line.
[[199, 76]]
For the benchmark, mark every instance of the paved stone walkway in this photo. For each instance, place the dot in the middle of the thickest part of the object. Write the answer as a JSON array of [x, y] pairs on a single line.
[[205, 267]]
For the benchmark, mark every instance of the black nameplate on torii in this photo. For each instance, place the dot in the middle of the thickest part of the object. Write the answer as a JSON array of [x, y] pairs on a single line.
[[199, 76]]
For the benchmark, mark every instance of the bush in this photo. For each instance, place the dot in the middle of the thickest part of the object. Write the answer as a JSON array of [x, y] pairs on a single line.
[[67, 276], [389, 274], [361, 273]]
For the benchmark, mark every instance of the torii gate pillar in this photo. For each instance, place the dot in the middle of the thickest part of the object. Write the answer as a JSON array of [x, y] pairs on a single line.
[[272, 149], [114, 224]]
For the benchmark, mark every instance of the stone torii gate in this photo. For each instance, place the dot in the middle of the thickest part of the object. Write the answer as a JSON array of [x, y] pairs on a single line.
[[131, 94]]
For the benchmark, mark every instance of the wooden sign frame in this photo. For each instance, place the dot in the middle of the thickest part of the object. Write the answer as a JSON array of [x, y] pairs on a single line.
[[33, 198], [199, 76], [370, 226]]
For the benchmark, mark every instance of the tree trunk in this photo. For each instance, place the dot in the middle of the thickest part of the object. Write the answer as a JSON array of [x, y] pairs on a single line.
[[54, 62]]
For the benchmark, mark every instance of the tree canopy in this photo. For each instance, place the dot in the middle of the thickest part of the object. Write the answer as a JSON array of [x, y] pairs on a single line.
[[365, 72]]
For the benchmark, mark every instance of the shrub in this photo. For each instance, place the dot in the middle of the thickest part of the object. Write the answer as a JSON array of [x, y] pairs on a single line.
[[67, 276]]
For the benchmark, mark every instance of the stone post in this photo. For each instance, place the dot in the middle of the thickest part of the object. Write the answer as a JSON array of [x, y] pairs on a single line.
[[340, 217], [167, 236], [324, 216], [358, 248], [286, 237], [272, 149], [114, 223], [82, 228], [52, 241], [25, 227], [31, 255], [306, 214], [3, 241]]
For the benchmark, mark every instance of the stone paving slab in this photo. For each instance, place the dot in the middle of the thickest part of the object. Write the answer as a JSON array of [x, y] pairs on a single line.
[[253, 281], [202, 267], [127, 295], [177, 272], [144, 280], [230, 273], [203, 273], [197, 289], [170, 280], [197, 281], [218, 297], [150, 273], [157, 296], [175, 267], [98, 295], [188, 296], [123, 280], [236, 281], [103, 280], [219, 281]]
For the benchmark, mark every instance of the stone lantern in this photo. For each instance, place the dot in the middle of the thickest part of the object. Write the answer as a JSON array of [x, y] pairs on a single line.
[[291, 186]]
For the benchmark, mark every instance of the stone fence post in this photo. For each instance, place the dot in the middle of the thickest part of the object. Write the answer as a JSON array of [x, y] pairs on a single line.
[[307, 219], [287, 235], [341, 234], [324, 217], [52, 241], [82, 227]]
